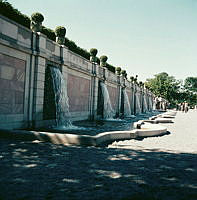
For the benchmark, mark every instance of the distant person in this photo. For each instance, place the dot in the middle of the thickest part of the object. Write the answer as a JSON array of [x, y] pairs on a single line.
[[157, 103], [182, 107], [164, 105], [177, 107], [186, 107]]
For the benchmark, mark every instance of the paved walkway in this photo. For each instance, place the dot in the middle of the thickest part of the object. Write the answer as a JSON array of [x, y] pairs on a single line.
[[160, 168], [183, 137]]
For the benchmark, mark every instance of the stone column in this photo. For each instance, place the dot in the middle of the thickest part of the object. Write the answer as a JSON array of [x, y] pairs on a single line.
[[39, 79], [151, 101], [148, 100], [118, 97], [96, 86], [105, 73], [134, 99], [31, 81], [93, 93], [122, 87], [143, 96], [142, 99]]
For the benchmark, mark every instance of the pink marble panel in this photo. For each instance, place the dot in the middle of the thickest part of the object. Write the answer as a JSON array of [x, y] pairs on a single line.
[[17, 86], [113, 95], [18, 108], [12, 82], [1, 58], [6, 108], [4, 84], [78, 93], [6, 96], [19, 64], [7, 60], [19, 97]]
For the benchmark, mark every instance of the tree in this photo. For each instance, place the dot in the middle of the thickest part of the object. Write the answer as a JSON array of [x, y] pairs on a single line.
[[173, 90], [190, 88], [191, 84], [165, 86]]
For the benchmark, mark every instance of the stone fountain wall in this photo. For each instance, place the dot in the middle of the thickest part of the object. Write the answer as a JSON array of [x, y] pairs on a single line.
[[24, 58]]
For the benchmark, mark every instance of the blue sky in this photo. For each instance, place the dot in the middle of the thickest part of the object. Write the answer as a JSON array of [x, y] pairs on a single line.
[[145, 37]]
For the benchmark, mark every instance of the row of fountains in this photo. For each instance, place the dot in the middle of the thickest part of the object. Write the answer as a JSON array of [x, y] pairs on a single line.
[[62, 101]]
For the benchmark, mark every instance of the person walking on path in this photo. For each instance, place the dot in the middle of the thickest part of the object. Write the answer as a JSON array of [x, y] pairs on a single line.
[[186, 107], [182, 107]]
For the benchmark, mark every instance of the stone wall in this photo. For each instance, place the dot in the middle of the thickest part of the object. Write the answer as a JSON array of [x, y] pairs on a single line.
[[79, 93], [12, 84], [24, 57]]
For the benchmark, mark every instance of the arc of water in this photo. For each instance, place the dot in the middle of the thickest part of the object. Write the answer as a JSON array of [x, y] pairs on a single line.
[[138, 106], [154, 104], [127, 109], [61, 98], [108, 112], [150, 104], [145, 105]]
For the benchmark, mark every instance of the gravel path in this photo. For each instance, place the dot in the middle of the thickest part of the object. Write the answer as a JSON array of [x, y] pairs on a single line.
[[160, 168]]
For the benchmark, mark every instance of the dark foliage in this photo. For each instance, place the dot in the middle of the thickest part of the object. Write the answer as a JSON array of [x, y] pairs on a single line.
[[132, 78], [111, 68], [49, 33], [8, 11], [93, 52], [60, 31], [118, 70], [98, 60], [123, 72], [103, 58], [73, 47], [37, 17]]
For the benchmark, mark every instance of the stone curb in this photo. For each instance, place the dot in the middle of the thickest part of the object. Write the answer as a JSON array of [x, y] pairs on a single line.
[[161, 118], [149, 130], [146, 130]]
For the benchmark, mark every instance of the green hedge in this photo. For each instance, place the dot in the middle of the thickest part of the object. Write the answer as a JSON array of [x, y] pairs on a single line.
[[49, 33], [37, 17], [111, 68], [73, 47], [60, 31], [93, 52], [7, 10]]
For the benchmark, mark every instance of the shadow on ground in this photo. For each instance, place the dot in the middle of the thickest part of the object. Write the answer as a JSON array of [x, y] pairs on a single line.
[[47, 171]]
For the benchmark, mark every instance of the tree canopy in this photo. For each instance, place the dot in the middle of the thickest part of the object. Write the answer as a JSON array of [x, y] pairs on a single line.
[[164, 85], [173, 90], [191, 84]]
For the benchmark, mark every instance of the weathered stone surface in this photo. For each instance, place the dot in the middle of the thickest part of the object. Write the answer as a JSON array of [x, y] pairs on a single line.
[[12, 78], [78, 93], [8, 29]]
